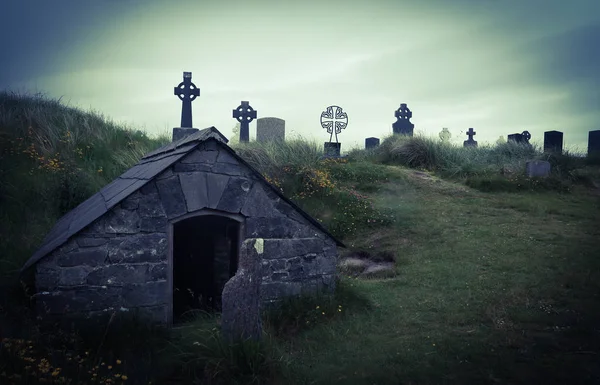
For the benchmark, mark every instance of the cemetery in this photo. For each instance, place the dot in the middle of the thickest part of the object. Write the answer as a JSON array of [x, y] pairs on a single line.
[[467, 254]]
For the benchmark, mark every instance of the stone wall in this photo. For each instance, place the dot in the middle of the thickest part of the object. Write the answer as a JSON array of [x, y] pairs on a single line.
[[120, 261]]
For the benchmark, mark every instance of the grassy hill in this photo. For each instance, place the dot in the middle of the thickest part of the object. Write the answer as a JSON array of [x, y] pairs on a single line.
[[497, 276]]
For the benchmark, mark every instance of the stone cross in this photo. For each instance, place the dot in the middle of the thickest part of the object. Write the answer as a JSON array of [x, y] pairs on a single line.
[[334, 122], [445, 135], [402, 125], [244, 114], [470, 142], [186, 91]]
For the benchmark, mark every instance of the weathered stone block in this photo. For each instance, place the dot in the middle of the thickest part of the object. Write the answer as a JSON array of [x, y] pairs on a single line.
[[158, 272], [274, 290], [46, 278], [235, 195], [153, 225], [216, 185], [96, 227], [287, 248], [138, 248], [151, 206], [91, 242], [74, 276], [319, 265], [229, 169], [537, 168], [171, 196], [119, 221], [131, 203], [192, 167], [209, 157], [240, 317], [225, 157], [146, 294], [89, 256], [260, 204], [195, 190], [165, 174], [119, 274], [277, 227], [78, 300]]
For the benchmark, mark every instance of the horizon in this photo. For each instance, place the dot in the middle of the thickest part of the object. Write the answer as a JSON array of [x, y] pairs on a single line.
[[470, 64]]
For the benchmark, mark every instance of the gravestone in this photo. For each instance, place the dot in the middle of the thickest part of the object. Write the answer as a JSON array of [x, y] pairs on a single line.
[[244, 114], [470, 142], [594, 144], [240, 316], [445, 135], [553, 142], [186, 91], [371, 143], [402, 125], [334, 120], [537, 168], [270, 130], [520, 138]]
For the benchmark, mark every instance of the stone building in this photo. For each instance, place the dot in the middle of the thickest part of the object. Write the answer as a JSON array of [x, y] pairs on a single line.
[[165, 236]]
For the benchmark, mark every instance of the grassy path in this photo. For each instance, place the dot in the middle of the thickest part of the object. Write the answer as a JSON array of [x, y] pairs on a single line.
[[492, 288]]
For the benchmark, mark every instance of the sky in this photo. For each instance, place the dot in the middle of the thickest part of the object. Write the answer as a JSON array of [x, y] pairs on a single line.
[[498, 66]]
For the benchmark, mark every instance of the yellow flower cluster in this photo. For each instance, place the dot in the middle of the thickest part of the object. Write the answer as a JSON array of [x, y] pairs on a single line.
[[44, 372]]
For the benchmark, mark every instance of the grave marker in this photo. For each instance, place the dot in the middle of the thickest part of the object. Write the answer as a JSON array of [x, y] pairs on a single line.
[[186, 91], [553, 142], [402, 125], [594, 144], [520, 138], [470, 142], [445, 135], [244, 114], [537, 168], [334, 120], [371, 143], [270, 129]]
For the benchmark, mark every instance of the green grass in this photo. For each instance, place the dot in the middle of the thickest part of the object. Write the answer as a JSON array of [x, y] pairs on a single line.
[[497, 275]]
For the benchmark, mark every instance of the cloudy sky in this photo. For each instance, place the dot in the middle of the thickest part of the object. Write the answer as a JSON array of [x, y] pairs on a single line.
[[499, 66]]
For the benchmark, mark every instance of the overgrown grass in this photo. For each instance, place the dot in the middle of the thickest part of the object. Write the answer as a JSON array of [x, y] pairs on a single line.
[[497, 275]]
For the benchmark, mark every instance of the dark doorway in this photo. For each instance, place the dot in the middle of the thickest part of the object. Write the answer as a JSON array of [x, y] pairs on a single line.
[[205, 257]]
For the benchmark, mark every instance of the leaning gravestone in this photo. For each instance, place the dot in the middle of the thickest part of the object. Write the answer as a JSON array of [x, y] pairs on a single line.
[[553, 142], [594, 144], [334, 120], [244, 114], [445, 135], [240, 316], [402, 125], [270, 130], [186, 91], [470, 142], [371, 143], [537, 168]]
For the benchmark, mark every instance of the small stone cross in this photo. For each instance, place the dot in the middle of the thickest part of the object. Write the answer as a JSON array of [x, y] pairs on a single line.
[[186, 91], [470, 133], [244, 114], [403, 112]]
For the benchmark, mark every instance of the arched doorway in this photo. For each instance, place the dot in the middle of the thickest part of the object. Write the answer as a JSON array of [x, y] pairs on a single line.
[[204, 257]]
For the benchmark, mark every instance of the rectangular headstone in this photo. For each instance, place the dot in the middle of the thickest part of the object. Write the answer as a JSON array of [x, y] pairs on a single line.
[[537, 168], [332, 149], [371, 143], [270, 129], [553, 142], [594, 144]]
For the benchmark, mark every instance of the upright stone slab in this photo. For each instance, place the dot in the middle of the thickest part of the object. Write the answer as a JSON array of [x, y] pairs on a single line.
[[270, 130], [244, 114], [240, 317], [402, 125], [537, 168], [470, 142], [594, 144], [371, 143], [332, 149], [553, 142]]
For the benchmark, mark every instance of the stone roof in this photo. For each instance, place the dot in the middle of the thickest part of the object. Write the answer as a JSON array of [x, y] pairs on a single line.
[[133, 179]]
